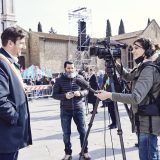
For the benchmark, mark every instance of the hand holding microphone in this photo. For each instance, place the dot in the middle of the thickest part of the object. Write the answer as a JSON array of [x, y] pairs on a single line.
[[103, 95], [84, 84]]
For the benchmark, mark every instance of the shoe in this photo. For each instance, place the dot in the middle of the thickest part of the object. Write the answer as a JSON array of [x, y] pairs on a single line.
[[136, 145], [112, 126], [92, 112], [102, 106], [86, 156], [67, 157]]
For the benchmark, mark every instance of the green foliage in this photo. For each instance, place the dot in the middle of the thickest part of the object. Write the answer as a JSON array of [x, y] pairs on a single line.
[[108, 29], [148, 22], [121, 28], [39, 27]]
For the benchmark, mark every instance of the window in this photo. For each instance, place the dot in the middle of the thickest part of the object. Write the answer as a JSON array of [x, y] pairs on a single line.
[[130, 58]]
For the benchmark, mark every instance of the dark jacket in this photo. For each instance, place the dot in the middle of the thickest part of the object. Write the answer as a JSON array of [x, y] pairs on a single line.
[[64, 85], [15, 132], [94, 85]]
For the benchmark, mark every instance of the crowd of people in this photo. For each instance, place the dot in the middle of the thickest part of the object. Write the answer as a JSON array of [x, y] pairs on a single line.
[[15, 130], [40, 80]]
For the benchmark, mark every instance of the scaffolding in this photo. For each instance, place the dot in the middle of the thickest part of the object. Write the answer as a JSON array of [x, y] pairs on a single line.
[[82, 58]]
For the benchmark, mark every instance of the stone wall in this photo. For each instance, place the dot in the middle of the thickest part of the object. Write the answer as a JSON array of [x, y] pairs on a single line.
[[49, 51]]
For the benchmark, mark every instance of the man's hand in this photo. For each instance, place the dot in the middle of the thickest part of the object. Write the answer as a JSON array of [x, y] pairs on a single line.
[[103, 95], [77, 93], [69, 95]]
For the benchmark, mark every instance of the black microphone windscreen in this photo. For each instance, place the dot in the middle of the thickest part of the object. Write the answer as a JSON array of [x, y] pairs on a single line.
[[82, 83]]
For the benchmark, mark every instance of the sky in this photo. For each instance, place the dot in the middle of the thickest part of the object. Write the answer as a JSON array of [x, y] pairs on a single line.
[[55, 13]]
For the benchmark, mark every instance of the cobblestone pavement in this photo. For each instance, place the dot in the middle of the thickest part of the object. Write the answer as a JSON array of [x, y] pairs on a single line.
[[47, 135]]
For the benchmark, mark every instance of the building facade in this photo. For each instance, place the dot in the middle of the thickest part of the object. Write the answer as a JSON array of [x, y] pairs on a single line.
[[49, 51], [7, 16]]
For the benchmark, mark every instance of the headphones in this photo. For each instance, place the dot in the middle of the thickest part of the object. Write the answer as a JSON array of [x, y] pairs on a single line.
[[148, 52]]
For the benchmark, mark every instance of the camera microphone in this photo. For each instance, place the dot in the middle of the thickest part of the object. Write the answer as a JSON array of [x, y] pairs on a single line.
[[84, 84]]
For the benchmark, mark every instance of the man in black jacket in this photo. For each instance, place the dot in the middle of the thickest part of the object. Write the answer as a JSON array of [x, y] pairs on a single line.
[[71, 96], [15, 132]]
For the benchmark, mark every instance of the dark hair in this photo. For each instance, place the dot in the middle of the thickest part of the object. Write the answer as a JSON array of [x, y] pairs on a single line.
[[157, 47], [11, 33], [145, 43], [67, 62]]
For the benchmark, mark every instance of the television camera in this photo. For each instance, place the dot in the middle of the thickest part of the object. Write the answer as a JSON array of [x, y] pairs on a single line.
[[107, 49]]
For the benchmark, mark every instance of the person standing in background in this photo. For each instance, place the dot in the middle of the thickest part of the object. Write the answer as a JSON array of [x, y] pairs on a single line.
[[94, 85], [71, 96]]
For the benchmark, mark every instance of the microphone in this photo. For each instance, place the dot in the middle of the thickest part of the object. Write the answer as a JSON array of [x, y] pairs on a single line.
[[84, 84]]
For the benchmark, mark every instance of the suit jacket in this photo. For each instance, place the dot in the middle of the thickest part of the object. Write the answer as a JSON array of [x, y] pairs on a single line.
[[15, 131], [94, 85]]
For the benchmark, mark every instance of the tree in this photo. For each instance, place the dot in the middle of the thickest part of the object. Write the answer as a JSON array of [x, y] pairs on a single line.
[[148, 21], [39, 27], [52, 31], [121, 28], [108, 29]]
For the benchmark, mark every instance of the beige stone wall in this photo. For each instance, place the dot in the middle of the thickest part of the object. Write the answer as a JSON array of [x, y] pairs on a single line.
[[153, 33], [34, 56], [50, 53], [53, 54], [51, 50]]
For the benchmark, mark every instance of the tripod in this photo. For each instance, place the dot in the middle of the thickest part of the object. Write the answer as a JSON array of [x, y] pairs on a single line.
[[110, 70]]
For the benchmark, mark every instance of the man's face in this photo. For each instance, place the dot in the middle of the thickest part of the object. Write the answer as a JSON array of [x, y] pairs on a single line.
[[70, 68], [18, 46]]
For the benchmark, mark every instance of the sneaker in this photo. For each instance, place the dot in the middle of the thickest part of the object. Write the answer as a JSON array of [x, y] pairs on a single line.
[[86, 156], [112, 126], [67, 157]]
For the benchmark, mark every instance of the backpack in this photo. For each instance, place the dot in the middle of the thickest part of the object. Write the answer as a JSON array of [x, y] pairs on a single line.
[[153, 108]]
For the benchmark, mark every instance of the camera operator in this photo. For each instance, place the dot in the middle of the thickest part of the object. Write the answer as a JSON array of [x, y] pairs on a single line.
[[71, 96], [145, 82]]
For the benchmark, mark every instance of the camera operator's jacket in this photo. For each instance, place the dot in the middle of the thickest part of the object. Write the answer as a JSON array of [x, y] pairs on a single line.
[[142, 82], [63, 85]]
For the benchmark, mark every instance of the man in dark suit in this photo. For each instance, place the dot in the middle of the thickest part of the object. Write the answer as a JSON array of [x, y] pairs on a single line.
[[94, 84], [15, 131]]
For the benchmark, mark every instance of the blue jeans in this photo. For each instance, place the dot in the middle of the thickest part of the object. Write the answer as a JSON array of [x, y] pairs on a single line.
[[79, 119], [148, 147]]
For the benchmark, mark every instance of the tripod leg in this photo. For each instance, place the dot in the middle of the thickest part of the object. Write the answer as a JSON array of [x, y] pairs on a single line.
[[92, 119], [89, 128], [119, 131]]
